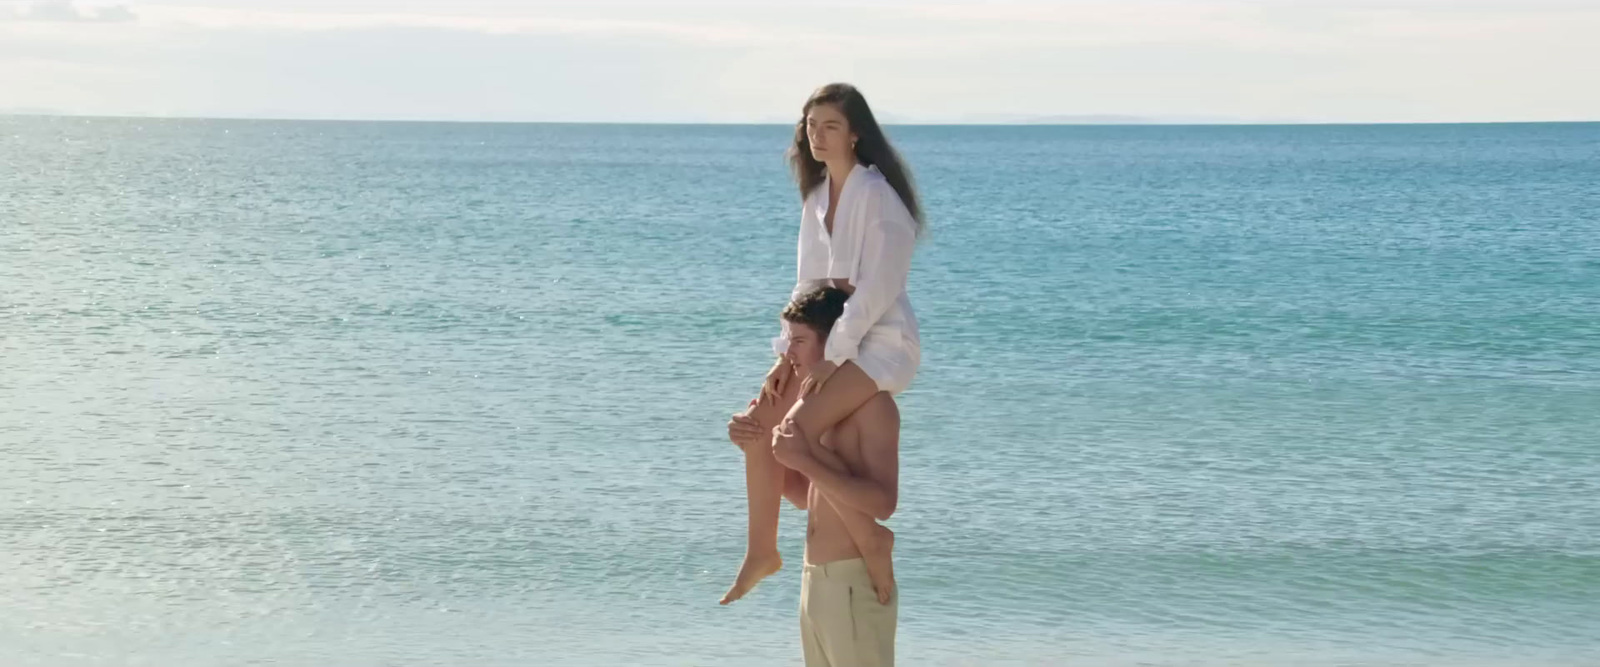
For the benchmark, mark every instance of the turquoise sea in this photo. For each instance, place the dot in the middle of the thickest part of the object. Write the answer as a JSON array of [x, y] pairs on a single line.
[[321, 393]]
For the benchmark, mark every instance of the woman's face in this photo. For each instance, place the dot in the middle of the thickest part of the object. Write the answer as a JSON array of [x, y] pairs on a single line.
[[830, 135]]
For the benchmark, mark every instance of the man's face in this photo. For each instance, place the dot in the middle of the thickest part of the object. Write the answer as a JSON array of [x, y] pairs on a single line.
[[805, 346]]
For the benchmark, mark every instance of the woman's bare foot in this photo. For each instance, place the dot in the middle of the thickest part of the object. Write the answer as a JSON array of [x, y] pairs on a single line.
[[880, 564], [756, 567]]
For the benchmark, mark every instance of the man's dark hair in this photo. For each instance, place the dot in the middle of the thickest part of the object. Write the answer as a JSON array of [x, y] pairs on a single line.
[[817, 308]]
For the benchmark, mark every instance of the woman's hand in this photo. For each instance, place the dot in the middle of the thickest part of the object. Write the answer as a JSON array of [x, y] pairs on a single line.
[[777, 380], [818, 374]]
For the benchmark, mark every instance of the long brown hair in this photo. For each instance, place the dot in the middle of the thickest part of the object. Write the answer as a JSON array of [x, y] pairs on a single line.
[[872, 147]]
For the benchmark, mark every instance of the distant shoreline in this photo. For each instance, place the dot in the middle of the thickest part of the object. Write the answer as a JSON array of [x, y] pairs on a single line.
[[1043, 122]]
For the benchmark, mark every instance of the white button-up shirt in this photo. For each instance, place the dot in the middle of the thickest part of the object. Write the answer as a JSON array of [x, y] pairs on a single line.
[[873, 236]]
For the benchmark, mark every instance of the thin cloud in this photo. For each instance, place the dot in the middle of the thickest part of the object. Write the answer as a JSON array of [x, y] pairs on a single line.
[[232, 19], [65, 11], [1347, 60]]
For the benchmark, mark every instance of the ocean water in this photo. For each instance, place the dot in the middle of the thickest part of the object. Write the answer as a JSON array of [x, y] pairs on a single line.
[[310, 393]]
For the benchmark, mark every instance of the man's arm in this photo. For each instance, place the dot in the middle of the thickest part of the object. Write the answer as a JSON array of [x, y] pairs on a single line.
[[878, 490], [766, 413], [797, 488]]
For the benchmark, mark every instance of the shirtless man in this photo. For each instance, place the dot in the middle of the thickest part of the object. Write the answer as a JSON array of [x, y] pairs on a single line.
[[845, 621]]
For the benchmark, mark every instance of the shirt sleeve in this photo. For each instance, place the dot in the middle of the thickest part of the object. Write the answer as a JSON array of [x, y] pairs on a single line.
[[886, 246]]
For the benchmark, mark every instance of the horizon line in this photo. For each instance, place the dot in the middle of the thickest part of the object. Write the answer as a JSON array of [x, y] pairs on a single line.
[[1043, 121]]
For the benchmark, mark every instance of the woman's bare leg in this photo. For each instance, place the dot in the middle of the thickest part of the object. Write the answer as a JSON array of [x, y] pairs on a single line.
[[843, 393], [763, 481]]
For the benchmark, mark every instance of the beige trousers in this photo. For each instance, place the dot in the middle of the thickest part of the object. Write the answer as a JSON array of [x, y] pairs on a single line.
[[841, 622]]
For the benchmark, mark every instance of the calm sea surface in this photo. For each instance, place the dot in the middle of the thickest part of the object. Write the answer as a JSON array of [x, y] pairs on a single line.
[[424, 394]]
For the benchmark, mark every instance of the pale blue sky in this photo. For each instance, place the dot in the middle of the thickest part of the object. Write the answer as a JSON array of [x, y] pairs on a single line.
[[754, 61]]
